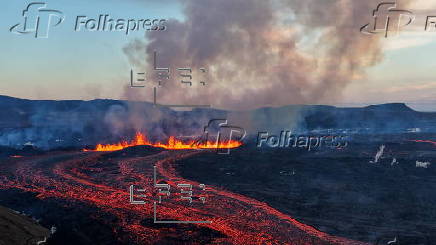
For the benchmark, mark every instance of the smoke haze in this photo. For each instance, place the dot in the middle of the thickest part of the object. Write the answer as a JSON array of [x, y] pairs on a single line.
[[262, 52]]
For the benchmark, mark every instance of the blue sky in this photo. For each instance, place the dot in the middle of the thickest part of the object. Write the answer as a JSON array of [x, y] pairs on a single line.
[[88, 65], [68, 64]]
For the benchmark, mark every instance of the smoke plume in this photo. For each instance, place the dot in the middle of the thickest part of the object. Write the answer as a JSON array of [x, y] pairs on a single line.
[[262, 52]]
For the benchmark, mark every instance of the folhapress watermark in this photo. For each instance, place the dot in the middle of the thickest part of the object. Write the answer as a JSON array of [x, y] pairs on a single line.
[[222, 136], [286, 139], [105, 22], [388, 20], [38, 20]]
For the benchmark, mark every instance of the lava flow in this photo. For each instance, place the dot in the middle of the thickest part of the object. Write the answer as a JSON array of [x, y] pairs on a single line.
[[16, 156], [171, 144], [425, 141], [96, 180]]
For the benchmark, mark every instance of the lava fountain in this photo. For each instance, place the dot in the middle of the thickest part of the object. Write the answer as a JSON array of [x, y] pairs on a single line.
[[171, 144]]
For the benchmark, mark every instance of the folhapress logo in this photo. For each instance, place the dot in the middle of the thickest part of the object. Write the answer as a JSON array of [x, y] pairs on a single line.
[[38, 20], [387, 19]]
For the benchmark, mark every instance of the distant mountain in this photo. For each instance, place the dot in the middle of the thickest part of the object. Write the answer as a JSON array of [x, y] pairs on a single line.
[[48, 123], [375, 118]]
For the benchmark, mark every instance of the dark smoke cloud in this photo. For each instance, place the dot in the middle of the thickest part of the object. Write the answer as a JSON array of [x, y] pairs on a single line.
[[263, 52]]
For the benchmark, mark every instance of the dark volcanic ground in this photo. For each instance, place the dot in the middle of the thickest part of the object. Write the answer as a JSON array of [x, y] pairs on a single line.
[[85, 195], [18, 229], [337, 191]]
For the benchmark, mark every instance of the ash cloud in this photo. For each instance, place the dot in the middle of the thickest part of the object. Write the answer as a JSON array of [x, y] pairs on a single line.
[[263, 52], [258, 53]]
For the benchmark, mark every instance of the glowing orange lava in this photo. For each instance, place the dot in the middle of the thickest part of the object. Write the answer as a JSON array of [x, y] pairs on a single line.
[[16, 156], [426, 141], [171, 144]]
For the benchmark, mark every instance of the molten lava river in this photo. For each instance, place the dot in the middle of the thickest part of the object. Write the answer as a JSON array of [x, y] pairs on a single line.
[[104, 180]]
